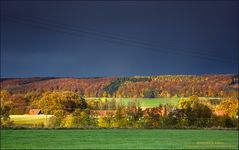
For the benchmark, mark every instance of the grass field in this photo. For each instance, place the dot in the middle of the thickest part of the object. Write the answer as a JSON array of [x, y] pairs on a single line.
[[144, 102], [150, 102], [30, 119], [119, 139]]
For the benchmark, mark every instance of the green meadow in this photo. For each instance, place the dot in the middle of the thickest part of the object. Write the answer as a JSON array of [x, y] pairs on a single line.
[[143, 102], [149, 102], [118, 139]]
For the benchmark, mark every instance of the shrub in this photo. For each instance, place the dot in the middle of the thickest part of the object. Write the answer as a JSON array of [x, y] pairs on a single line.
[[230, 107], [106, 121]]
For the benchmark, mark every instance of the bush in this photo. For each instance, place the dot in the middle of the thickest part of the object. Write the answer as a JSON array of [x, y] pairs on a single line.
[[6, 123], [79, 119], [106, 121]]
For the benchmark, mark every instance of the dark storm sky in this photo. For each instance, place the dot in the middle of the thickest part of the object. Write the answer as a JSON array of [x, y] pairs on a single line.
[[80, 39]]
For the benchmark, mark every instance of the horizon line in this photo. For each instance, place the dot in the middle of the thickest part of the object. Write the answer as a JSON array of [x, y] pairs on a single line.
[[117, 76]]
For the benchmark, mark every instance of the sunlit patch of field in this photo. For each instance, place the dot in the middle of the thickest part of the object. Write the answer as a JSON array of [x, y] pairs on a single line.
[[150, 102], [30, 119], [143, 102]]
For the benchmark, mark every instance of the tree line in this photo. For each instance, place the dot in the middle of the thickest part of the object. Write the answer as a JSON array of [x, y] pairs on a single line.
[[73, 111]]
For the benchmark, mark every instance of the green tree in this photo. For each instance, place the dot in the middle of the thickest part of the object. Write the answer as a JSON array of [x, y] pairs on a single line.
[[61, 103], [120, 118], [83, 119], [106, 121], [194, 112], [200, 114]]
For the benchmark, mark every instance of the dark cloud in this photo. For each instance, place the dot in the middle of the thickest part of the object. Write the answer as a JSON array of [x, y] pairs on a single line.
[[118, 38]]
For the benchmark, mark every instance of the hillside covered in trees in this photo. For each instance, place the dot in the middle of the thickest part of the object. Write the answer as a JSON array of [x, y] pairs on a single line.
[[136, 86]]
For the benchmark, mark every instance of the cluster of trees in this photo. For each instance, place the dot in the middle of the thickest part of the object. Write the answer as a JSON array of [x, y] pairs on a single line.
[[102, 104], [190, 113], [87, 87], [71, 110], [60, 104], [137, 86], [114, 85]]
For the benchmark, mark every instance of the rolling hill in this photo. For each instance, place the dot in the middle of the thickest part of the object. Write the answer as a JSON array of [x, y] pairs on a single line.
[[135, 86]]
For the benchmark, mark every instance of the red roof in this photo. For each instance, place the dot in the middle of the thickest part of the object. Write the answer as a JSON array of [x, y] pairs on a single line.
[[34, 111], [219, 112]]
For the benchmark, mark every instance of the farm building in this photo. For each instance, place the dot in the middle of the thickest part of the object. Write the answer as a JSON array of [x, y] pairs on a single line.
[[34, 112]]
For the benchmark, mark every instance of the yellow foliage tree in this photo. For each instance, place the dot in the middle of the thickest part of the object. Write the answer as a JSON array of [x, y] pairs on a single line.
[[186, 103], [105, 94], [68, 121], [105, 121], [229, 107], [5, 109]]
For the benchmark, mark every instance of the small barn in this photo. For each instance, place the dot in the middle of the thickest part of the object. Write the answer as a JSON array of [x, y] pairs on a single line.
[[34, 112]]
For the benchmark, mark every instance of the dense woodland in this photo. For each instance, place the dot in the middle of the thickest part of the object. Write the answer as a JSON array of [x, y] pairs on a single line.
[[137, 86]]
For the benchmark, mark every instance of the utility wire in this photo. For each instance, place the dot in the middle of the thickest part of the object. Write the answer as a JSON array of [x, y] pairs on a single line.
[[110, 38], [151, 48], [119, 36], [123, 37], [85, 32]]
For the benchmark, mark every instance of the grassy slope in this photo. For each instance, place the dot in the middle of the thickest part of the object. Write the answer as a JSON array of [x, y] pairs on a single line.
[[119, 138]]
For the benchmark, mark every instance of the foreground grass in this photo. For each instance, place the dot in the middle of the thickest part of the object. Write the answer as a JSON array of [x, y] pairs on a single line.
[[119, 139]]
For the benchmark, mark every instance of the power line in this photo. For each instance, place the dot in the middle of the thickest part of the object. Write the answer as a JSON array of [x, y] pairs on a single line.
[[122, 37], [151, 48], [110, 38], [86, 32]]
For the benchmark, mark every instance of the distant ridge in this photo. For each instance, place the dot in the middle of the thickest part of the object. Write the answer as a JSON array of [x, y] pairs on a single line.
[[215, 85]]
